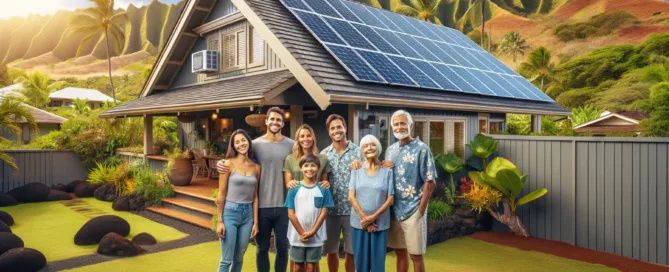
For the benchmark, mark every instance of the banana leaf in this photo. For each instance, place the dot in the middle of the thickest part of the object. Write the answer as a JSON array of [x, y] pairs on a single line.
[[532, 196]]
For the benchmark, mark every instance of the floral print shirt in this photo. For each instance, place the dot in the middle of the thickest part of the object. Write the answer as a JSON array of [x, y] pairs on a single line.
[[340, 175], [414, 165]]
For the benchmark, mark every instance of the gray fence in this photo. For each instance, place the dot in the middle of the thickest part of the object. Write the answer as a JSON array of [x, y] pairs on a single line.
[[44, 166], [607, 194]]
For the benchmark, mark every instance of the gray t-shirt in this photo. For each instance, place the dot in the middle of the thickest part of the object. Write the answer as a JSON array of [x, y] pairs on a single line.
[[371, 192], [270, 156]]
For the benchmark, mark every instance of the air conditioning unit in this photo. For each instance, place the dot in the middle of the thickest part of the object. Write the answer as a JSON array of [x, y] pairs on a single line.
[[205, 61]]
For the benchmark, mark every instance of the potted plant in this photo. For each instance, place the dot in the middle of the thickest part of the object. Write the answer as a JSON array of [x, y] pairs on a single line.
[[179, 166]]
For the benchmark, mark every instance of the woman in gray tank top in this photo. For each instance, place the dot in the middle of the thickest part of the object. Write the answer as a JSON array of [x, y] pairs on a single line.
[[237, 202]]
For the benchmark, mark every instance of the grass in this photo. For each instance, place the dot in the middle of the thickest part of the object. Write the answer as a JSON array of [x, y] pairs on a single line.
[[459, 254], [50, 226]]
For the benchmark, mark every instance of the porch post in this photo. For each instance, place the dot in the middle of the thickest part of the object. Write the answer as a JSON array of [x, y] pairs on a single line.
[[296, 119], [353, 129], [535, 121], [148, 134]]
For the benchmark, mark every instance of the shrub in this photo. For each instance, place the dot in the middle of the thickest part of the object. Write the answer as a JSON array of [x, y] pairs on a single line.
[[113, 175], [437, 210], [599, 25], [153, 186]]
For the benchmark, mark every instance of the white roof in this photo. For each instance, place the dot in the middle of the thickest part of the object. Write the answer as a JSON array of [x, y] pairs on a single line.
[[11, 89], [71, 93]]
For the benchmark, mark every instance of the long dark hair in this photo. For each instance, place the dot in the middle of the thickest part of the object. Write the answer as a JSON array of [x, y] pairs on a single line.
[[232, 152]]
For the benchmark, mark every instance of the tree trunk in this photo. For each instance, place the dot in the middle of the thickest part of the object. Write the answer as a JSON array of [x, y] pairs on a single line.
[[482, 23], [542, 84], [509, 219], [111, 82]]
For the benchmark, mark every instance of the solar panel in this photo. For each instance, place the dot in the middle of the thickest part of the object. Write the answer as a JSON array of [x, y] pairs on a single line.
[[356, 66], [376, 45]]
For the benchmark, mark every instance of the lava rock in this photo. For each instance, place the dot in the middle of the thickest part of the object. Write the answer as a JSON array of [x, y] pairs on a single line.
[[113, 244], [72, 185], [22, 259], [4, 227], [55, 195], [106, 192], [129, 203], [465, 213], [121, 204], [8, 241], [6, 218], [92, 232], [84, 189], [59, 187], [144, 239], [31, 192], [7, 200]]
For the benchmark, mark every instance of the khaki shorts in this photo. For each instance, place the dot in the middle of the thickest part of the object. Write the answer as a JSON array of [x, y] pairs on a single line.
[[410, 234]]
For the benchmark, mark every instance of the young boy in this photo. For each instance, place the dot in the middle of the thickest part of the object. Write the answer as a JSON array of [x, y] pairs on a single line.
[[307, 207]]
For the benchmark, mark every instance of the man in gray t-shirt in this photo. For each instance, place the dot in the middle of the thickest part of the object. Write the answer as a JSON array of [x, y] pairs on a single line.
[[270, 151]]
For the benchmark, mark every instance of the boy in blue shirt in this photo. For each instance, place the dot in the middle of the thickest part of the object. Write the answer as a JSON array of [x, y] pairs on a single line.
[[307, 205]]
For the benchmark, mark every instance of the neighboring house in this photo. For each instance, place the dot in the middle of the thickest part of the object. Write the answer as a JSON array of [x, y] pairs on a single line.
[[64, 97], [46, 121], [614, 122], [267, 57]]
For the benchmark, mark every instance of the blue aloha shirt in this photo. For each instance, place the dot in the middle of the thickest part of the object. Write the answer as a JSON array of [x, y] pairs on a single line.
[[340, 175], [414, 165]]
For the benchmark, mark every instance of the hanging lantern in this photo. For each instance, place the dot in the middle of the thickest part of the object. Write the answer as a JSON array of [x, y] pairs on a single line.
[[256, 120], [185, 118]]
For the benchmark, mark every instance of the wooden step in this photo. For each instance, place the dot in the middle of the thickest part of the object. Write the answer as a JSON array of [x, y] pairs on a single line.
[[201, 193], [188, 218], [192, 205]]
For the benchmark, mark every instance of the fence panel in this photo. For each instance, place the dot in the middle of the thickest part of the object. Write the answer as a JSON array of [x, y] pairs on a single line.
[[607, 194], [48, 167]]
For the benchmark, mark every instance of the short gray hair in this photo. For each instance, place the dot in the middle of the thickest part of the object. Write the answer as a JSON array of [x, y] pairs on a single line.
[[401, 112], [369, 138]]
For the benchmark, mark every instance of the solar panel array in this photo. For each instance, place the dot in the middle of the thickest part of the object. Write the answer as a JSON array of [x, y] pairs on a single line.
[[379, 46]]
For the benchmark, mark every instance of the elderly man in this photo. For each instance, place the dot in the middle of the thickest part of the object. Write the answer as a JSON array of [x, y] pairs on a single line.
[[414, 175]]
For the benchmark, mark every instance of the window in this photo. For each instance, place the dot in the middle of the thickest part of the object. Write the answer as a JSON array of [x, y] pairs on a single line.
[[384, 133], [459, 138], [256, 51], [233, 50], [442, 135], [495, 126], [483, 125], [419, 128], [437, 137], [25, 133]]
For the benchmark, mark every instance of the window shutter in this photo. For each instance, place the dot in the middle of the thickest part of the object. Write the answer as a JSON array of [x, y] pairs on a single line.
[[241, 48], [459, 138], [256, 48], [450, 144], [229, 50]]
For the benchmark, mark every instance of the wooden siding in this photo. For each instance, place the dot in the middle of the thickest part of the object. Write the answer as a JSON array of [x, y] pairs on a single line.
[[49, 167], [221, 9], [607, 194]]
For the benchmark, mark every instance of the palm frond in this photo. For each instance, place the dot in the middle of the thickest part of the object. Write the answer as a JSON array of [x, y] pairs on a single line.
[[406, 10], [9, 160], [84, 42]]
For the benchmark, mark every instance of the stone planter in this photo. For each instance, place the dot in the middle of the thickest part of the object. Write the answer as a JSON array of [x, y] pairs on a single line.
[[461, 223], [182, 172]]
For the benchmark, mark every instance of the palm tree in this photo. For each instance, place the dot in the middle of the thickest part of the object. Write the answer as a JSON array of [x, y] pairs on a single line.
[[421, 9], [514, 45], [538, 66], [468, 13], [585, 114], [100, 18], [36, 88], [12, 116], [393, 4], [81, 106]]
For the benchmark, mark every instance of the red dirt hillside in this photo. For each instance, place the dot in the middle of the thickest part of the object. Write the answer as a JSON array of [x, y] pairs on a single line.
[[639, 8]]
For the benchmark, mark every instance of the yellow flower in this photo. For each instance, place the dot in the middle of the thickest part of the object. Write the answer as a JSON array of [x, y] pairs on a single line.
[[481, 197]]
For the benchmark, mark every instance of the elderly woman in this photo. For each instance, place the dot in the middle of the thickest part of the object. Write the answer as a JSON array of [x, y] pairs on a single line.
[[370, 217]]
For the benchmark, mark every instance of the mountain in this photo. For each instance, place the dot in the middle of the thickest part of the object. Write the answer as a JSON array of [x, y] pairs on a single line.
[[42, 42]]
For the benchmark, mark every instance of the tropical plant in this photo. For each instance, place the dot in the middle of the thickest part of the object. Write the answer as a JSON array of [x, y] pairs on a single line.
[[518, 124], [438, 210], [153, 186], [503, 176], [513, 45], [658, 107], [538, 67], [36, 88], [482, 147], [585, 114], [81, 106], [452, 164], [100, 18], [13, 114], [4, 75], [116, 176], [175, 153], [424, 10], [470, 14]]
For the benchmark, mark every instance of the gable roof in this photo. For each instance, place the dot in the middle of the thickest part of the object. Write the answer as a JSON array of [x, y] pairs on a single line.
[[71, 93], [632, 117], [41, 116], [11, 89]]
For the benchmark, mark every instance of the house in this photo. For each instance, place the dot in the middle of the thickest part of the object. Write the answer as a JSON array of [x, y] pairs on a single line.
[[64, 97], [46, 121], [614, 122], [277, 53]]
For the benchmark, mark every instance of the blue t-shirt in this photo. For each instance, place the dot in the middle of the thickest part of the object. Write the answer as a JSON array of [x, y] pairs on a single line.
[[307, 203], [371, 192], [340, 174], [414, 165]]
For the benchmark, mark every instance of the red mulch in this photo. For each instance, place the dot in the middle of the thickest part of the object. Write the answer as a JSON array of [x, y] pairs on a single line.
[[568, 251]]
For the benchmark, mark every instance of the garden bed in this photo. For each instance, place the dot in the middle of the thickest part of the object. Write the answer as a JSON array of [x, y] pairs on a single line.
[[461, 223], [567, 251]]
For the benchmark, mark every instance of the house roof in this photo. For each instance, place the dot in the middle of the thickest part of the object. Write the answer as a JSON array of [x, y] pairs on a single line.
[[631, 117], [636, 115], [211, 96], [41, 116], [71, 93]]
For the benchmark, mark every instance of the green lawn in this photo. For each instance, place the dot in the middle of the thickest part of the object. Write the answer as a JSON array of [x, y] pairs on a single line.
[[50, 226], [460, 254]]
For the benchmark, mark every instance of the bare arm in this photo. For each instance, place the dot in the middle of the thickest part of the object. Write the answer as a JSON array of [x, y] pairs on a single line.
[[295, 222], [384, 207], [319, 222], [355, 204], [220, 200], [325, 183], [255, 196], [427, 192], [288, 180]]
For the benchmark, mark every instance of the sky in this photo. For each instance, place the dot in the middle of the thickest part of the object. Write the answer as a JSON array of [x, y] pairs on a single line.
[[22, 8]]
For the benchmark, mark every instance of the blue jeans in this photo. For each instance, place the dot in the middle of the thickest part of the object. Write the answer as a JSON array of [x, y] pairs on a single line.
[[268, 219], [238, 221]]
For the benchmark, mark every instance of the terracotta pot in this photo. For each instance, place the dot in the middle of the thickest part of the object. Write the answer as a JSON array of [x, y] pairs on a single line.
[[182, 172]]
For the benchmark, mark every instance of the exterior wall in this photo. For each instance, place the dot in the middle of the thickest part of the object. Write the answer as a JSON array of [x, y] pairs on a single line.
[[185, 76], [43, 129], [607, 194], [49, 167], [221, 9], [613, 121]]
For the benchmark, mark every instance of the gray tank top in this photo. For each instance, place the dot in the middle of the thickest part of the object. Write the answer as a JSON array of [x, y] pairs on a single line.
[[241, 189]]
